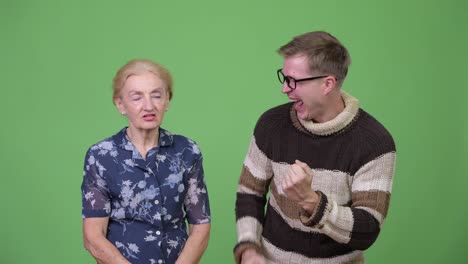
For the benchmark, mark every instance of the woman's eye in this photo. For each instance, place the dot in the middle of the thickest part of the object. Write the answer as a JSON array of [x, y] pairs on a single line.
[[157, 96], [136, 98]]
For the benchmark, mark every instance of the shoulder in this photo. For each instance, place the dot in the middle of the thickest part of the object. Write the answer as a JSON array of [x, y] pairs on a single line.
[[181, 143], [273, 118], [373, 129], [106, 145], [370, 138]]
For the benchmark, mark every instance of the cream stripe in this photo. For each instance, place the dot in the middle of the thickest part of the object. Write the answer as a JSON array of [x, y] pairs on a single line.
[[280, 170], [335, 184], [376, 174], [257, 162], [294, 223], [253, 183], [338, 220], [249, 229], [339, 122], [338, 223], [276, 255], [247, 190]]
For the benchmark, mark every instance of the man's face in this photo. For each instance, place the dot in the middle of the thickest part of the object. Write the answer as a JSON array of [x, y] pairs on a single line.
[[308, 96]]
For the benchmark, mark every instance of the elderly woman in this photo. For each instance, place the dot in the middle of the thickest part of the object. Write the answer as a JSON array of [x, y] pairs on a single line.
[[142, 184]]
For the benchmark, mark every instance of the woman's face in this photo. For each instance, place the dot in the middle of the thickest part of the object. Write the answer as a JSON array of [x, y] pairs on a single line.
[[144, 100]]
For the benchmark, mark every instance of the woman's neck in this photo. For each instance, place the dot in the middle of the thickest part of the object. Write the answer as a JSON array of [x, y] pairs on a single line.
[[143, 140]]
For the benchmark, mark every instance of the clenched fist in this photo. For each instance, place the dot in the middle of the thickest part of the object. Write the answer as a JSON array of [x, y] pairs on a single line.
[[297, 185]]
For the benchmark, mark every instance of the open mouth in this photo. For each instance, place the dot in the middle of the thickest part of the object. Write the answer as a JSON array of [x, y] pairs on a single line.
[[297, 103], [149, 117]]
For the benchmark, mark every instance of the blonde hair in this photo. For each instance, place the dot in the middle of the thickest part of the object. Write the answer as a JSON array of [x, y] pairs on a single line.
[[140, 66], [325, 53]]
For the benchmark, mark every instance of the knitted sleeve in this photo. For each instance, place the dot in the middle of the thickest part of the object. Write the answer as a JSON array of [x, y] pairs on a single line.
[[358, 224], [251, 198], [254, 184]]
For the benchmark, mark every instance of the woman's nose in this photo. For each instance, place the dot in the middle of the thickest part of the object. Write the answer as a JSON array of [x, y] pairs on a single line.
[[148, 104]]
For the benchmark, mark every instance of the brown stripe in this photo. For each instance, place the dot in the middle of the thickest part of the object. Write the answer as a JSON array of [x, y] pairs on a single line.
[[289, 208], [250, 205], [379, 201], [310, 244], [255, 184], [337, 152]]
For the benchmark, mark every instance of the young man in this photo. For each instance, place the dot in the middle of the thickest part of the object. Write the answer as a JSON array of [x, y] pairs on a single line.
[[327, 163]]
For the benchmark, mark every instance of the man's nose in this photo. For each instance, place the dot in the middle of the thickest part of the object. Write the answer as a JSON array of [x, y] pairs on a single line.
[[285, 88]]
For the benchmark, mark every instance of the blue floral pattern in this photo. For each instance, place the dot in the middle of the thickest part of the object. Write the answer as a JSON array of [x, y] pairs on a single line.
[[147, 201]]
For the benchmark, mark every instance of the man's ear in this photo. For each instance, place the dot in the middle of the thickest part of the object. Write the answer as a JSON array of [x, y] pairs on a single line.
[[329, 84]]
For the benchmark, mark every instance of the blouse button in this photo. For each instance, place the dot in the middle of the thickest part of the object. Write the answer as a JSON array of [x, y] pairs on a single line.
[[156, 201], [158, 233]]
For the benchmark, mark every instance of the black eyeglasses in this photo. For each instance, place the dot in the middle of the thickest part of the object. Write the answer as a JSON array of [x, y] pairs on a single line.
[[292, 82]]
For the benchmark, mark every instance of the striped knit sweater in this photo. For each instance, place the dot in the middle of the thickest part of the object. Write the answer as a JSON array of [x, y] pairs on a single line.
[[353, 161]]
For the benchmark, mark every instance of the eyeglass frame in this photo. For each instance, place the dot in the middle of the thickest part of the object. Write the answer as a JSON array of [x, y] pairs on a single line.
[[288, 79]]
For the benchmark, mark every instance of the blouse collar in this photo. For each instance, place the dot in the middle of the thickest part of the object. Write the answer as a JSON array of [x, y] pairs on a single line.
[[166, 138]]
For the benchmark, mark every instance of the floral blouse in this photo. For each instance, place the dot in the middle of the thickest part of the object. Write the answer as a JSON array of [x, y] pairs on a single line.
[[147, 201]]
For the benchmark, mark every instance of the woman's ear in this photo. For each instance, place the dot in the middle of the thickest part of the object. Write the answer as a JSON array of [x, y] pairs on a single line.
[[167, 106], [118, 103]]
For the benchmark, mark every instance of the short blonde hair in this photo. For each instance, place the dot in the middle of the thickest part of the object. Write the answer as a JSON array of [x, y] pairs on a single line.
[[140, 66], [325, 53]]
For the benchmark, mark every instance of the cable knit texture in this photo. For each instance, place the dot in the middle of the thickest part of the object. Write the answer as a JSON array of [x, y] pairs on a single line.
[[353, 161]]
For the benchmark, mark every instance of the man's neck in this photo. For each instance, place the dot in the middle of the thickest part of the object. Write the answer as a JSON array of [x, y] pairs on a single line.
[[331, 109]]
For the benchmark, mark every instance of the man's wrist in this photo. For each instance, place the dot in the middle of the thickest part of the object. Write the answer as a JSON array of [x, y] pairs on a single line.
[[242, 247], [308, 215], [249, 252], [310, 202]]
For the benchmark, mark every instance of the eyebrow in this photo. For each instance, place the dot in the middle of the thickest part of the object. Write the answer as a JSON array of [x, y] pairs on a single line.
[[158, 89], [155, 90]]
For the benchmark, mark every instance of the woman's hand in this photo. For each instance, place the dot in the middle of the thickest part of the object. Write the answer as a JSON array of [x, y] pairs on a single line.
[[95, 241], [195, 245]]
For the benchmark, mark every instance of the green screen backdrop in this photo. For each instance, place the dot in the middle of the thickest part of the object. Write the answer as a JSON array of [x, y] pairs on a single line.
[[57, 60]]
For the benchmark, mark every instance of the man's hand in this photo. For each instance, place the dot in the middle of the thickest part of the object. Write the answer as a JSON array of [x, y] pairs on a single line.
[[251, 256], [297, 185]]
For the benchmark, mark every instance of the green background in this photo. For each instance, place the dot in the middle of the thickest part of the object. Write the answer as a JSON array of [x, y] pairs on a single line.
[[57, 60]]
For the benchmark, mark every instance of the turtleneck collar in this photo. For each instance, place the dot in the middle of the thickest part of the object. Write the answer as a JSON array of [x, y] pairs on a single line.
[[335, 125]]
